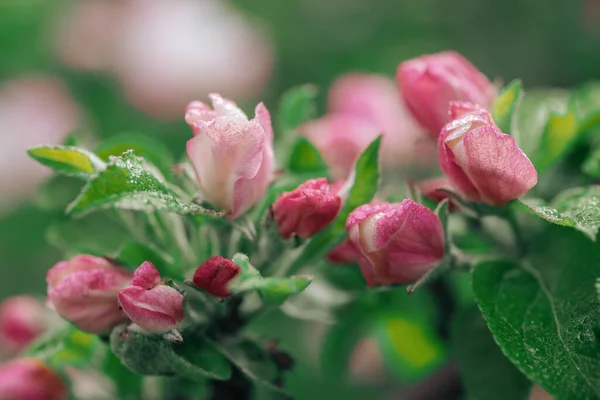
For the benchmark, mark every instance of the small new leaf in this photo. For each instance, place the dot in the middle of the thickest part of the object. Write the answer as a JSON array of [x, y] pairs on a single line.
[[306, 159], [505, 105], [297, 106], [67, 160]]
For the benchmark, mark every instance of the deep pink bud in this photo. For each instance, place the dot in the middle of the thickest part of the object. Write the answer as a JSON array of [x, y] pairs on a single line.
[[215, 274], [21, 322], [231, 155], [398, 242], [84, 291], [149, 303], [430, 82], [483, 163], [30, 379], [307, 209], [346, 252]]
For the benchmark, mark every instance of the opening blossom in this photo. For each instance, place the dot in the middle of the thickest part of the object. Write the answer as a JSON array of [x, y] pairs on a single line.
[[150, 304], [231, 155], [430, 82], [30, 379], [307, 209], [84, 291], [398, 242], [483, 163], [21, 322], [215, 274]]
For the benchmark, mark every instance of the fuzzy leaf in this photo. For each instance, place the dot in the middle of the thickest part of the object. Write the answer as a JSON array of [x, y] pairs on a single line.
[[127, 184], [578, 208], [506, 104], [543, 312], [67, 160]]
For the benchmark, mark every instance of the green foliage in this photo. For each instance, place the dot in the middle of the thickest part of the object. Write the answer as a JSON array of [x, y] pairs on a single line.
[[297, 105], [486, 372], [65, 346], [67, 160], [543, 311], [306, 159], [127, 184], [505, 105], [576, 207]]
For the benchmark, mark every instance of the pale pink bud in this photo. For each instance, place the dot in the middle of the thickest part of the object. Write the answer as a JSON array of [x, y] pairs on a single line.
[[30, 379], [215, 274], [398, 242], [21, 322], [483, 163], [149, 303], [231, 155], [307, 209], [84, 291], [346, 252], [340, 138], [430, 82], [433, 188]]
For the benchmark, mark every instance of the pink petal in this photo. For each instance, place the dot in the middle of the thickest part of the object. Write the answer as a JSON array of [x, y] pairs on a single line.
[[155, 310], [227, 108], [146, 276]]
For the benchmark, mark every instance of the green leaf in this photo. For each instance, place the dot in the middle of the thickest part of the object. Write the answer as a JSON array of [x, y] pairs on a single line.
[[577, 208], [587, 99], [127, 184], [543, 311], [505, 105], [194, 359], [273, 290], [147, 147], [591, 165], [561, 132], [306, 159], [65, 346], [128, 384], [68, 160], [297, 106], [134, 254], [365, 182], [485, 371]]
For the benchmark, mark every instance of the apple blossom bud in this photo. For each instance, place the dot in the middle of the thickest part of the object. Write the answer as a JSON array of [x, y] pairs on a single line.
[[307, 209], [150, 304], [215, 274], [398, 242], [433, 188], [21, 322], [231, 155], [483, 163], [345, 253], [430, 82], [84, 291], [30, 379]]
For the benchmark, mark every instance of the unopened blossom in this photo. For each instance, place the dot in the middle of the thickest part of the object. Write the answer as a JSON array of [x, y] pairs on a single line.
[[30, 379], [21, 322], [84, 291], [434, 188], [307, 209], [231, 155], [430, 82], [360, 108], [344, 253], [483, 163], [215, 275], [398, 242], [149, 303]]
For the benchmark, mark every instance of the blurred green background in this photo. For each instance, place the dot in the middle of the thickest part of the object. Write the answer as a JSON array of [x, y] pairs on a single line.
[[119, 66]]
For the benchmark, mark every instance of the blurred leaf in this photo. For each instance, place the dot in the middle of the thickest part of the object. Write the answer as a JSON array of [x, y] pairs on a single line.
[[272, 290], [305, 158], [72, 161], [127, 383], [127, 184], [543, 311], [133, 254], [588, 105], [560, 134], [195, 358], [297, 106], [484, 369], [591, 165], [66, 346], [577, 208], [253, 361], [365, 182], [506, 104], [143, 146], [56, 192]]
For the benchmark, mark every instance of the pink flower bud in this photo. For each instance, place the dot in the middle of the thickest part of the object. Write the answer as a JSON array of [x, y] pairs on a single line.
[[307, 209], [398, 242], [84, 291], [231, 155], [484, 164], [344, 253], [430, 82], [30, 379], [215, 274], [21, 322], [433, 188], [149, 303]]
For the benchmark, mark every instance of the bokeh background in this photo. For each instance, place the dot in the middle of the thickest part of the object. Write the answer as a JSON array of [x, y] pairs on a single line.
[[92, 69]]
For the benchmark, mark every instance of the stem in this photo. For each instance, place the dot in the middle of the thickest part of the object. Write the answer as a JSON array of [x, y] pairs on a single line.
[[180, 237], [512, 220]]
